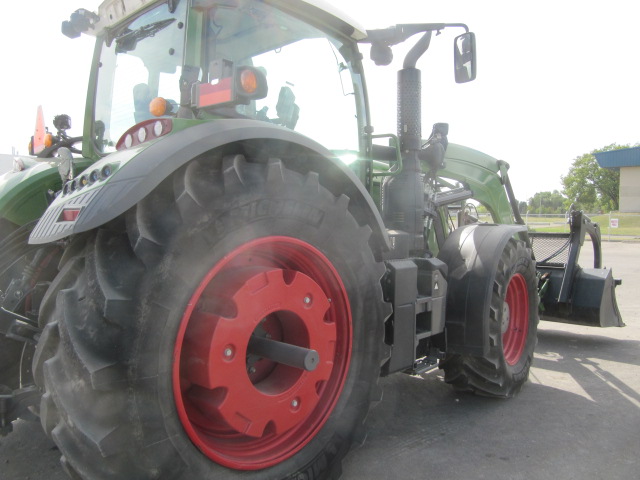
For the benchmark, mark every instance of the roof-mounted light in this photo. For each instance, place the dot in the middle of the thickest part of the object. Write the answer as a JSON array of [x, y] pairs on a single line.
[[80, 21]]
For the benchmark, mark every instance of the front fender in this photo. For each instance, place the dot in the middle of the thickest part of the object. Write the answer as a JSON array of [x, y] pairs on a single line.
[[139, 171], [472, 254]]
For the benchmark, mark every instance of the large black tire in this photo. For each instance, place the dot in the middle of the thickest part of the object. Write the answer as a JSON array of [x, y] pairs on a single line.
[[136, 358], [512, 330]]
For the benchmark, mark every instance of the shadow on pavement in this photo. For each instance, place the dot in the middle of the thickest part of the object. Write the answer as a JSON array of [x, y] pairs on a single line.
[[587, 426]]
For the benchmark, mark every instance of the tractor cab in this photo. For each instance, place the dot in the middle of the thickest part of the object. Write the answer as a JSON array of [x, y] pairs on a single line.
[[207, 59]]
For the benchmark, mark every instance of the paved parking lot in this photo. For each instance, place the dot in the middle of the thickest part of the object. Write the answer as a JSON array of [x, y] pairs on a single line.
[[578, 417]]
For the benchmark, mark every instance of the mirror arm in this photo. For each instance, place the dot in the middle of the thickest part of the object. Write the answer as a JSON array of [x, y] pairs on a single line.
[[458, 25], [417, 51], [399, 33], [382, 39]]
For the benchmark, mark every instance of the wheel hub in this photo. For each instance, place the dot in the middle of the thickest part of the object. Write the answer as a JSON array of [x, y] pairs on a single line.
[[262, 353], [216, 351], [505, 318], [516, 312]]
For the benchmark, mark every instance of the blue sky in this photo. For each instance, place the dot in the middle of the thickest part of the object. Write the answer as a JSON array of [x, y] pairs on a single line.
[[556, 79]]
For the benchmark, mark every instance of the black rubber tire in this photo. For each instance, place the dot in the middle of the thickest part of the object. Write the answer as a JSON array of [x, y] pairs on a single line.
[[106, 354], [492, 375]]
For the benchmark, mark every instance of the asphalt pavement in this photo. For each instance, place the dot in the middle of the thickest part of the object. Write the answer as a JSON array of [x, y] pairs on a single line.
[[578, 418]]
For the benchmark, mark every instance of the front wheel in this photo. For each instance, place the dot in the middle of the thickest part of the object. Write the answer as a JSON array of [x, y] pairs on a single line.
[[511, 306], [25, 273], [234, 329]]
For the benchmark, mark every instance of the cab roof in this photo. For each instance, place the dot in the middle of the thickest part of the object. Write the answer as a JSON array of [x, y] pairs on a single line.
[[111, 12]]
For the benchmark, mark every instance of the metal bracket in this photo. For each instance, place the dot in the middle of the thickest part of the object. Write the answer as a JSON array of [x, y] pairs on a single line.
[[17, 327], [15, 403], [417, 289]]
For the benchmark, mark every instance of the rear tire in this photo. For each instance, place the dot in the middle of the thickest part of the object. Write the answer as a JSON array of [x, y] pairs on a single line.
[[512, 330], [148, 335]]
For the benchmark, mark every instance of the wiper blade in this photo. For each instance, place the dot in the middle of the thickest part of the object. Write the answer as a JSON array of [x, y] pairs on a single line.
[[127, 41]]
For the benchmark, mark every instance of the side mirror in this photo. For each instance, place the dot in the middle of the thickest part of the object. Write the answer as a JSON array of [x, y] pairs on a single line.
[[464, 54]]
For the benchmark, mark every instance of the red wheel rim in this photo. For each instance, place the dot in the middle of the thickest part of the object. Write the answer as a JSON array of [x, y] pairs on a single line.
[[241, 410], [515, 319]]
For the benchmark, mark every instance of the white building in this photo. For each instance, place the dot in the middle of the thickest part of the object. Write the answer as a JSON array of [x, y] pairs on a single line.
[[627, 160]]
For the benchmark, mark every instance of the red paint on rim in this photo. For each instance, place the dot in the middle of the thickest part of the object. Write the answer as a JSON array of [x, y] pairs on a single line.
[[515, 337], [247, 412]]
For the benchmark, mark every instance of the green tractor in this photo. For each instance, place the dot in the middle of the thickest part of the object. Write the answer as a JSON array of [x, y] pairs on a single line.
[[213, 284]]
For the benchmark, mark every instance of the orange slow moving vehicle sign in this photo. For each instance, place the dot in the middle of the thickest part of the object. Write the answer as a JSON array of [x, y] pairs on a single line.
[[39, 134]]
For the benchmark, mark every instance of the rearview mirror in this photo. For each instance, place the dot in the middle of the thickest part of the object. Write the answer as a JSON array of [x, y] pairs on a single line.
[[464, 54]]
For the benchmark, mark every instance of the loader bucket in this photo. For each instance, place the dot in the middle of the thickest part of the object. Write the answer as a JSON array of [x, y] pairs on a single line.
[[568, 292], [593, 300]]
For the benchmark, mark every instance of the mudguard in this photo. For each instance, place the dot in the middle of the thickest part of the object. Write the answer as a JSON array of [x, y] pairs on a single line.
[[137, 171], [472, 254]]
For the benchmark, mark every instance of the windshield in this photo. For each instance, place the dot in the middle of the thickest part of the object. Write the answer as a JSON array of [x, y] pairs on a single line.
[[311, 86], [138, 63]]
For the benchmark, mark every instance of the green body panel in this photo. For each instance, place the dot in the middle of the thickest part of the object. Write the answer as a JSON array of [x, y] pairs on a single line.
[[483, 175], [23, 194], [480, 172]]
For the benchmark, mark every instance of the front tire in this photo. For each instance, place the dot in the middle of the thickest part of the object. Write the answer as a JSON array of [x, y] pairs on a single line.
[[25, 273], [511, 328], [151, 376]]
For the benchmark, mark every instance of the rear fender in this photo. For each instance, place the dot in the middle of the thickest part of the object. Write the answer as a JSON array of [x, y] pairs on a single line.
[[137, 172]]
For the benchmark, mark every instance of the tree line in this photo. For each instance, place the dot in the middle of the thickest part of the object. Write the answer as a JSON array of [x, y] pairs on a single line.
[[587, 186]]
